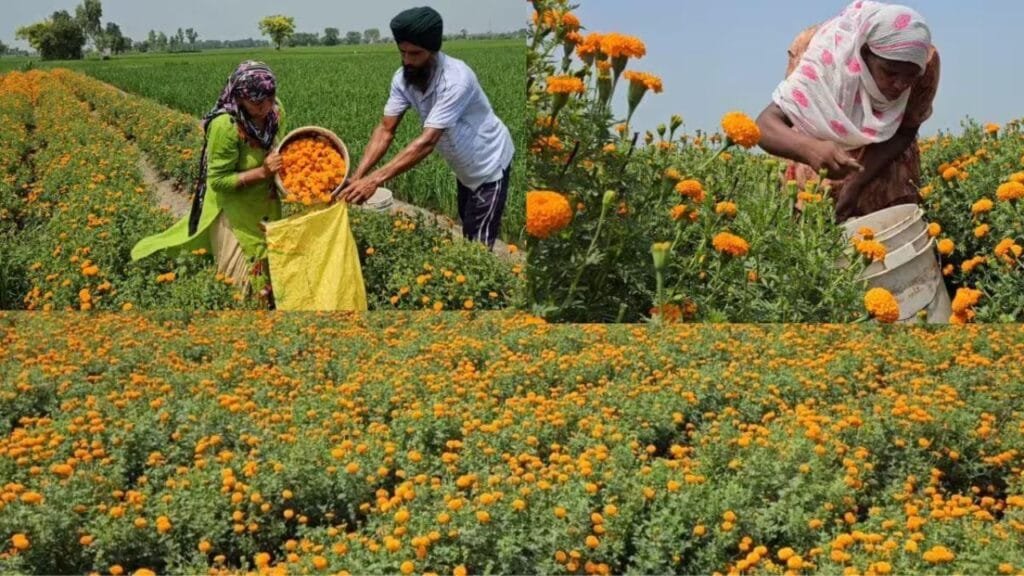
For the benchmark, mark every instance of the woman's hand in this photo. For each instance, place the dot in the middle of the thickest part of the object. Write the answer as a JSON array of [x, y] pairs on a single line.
[[827, 155], [272, 162]]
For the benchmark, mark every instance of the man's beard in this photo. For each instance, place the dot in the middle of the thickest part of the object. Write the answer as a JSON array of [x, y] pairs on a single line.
[[419, 76]]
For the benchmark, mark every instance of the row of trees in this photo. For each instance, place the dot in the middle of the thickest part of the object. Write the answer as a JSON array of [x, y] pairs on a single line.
[[281, 31], [64, 37]]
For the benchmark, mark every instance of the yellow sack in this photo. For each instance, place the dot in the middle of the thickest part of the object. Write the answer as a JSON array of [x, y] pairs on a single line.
[[314, 262]]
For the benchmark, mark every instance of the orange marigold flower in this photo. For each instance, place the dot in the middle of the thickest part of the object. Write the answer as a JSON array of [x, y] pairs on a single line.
[[950, 173], [547, 213], [1010, 191], [618, 45], [311, 169], [981, 206], [991, 128], [965, 299], [730, 244], [741, 130], [692, 189], [938, 555], [969, 265], [726, 208], [882, 305], [678, 212], [20, 542], [872, 249], [1007, 250], [934, 229], [981, 231], [570, 22], [946, 246], [565, 85], [644, 79], [589, 46]]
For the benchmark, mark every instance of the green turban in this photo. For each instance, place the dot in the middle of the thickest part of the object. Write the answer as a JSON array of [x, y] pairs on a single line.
[[420, 26]]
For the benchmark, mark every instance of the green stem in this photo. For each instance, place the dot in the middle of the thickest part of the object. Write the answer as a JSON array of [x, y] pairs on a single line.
[[586, 259]]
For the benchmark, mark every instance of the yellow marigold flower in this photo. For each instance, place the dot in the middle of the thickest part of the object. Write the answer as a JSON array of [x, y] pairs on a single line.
[[673, 174], [731, 244], [934, 229], [726, 208], [1010, 191], [981, 231], [547, 213], [872, 249], [981, 206], [163, 524], [926, 191], [938, 555], [882, 305], [965, 299], [808, 197], [617, 45], [946, 246], [740, 129], [691, 188], [565, 85]]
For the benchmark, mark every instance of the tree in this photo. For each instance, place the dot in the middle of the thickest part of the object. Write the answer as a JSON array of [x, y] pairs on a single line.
[[304, 39], [3, 49], [192, 36], [279, 28], [87, 15], [180, 36], [161, 41], [463, 33], [371, 36], [331, 36], [56, 38], [353, 37]]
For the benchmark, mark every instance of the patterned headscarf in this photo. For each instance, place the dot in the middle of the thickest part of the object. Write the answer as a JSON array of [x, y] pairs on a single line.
[[253, 81], [831, 94]]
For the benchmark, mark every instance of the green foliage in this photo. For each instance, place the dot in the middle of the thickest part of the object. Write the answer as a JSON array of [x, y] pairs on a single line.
[[279, 28]]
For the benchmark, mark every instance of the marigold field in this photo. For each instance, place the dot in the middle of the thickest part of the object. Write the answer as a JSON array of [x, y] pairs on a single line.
[[341, 88], [666, 225], [453, 443], [74, 200]]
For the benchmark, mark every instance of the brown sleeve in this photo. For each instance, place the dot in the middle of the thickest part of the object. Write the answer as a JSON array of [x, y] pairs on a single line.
[[798, 47], [919, 106]]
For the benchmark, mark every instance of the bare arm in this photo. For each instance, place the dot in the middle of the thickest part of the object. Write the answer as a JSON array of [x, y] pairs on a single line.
[[360, 189], [780, 139], [878, 156], [380, 142]]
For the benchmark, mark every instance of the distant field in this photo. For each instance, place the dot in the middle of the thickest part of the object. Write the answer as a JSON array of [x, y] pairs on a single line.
[[341, 88]]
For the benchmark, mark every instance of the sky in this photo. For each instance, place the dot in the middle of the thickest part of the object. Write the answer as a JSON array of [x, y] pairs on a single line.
[[718, 56], [237, 19]]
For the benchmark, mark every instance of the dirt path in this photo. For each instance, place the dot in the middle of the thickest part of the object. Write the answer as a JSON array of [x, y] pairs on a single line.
[[169, 197]]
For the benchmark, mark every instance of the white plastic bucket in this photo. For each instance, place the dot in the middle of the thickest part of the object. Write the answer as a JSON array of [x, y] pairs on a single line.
[[911, 269], [381, 201]]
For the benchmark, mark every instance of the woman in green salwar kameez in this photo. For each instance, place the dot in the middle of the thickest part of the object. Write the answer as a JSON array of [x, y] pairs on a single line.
[[234, 192]]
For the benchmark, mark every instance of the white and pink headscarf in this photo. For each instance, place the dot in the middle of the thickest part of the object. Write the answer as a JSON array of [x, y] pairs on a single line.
[[831, 95]]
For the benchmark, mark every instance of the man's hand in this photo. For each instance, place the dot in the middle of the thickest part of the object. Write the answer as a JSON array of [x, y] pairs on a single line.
[[356, 191], [831, 157]]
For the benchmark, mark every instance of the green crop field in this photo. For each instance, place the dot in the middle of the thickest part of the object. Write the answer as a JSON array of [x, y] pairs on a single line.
[[341, 88]]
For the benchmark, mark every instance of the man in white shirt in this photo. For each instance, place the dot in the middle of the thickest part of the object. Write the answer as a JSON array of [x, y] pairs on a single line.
[[457, 120]]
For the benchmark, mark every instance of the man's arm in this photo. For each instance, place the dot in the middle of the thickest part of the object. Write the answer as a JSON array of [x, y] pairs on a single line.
[[357, 191], [380, 141]]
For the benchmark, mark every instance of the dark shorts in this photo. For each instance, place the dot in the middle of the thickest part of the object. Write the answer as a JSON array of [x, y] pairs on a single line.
[[480, 210]]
